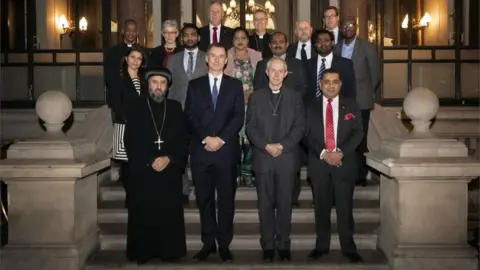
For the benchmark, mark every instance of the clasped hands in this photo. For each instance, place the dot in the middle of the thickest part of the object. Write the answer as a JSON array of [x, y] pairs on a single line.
[[274, 149], [333, 158], [160, 163], [213, 144]]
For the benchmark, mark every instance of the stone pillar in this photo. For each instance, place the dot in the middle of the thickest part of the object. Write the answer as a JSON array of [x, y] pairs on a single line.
[[358, 9], [424, 191], [135, 10], [52, 186]]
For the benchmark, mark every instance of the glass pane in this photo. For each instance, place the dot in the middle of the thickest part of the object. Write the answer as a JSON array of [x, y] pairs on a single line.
[[471, 22], [395, 11], [14, 31], [14, 83], [435, 24], [395, 80], [372, 22], [114, 24], [186, 11], [92, 86], [64, 80], [150, 25], [61, 33], [438, 77], [470, 86]]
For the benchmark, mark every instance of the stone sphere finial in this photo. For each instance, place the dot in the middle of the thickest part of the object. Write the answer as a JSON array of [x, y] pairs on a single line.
[[53, 107], [421, 106]]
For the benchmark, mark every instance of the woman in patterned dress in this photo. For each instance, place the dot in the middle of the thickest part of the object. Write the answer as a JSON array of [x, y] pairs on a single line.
[[242, 62]]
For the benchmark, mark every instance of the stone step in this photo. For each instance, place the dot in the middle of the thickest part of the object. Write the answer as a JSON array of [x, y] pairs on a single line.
[[370, 192], [364, 211], [251, 241], [243, 260]]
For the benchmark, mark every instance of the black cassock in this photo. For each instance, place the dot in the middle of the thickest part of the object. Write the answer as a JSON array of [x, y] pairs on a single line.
[[156, 226]]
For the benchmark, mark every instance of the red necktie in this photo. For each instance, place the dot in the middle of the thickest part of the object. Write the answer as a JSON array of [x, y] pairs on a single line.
[[329, 129], [215, 39]]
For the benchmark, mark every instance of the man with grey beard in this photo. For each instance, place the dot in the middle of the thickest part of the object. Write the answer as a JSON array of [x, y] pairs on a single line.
[[156, 140]]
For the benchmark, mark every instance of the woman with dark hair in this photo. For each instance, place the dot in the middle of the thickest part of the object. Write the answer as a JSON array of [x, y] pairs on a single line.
[[131, 85], [241, 64]]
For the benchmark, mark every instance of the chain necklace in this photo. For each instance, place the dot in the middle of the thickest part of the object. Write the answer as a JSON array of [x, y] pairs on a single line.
[[159, 134], [276, 106]]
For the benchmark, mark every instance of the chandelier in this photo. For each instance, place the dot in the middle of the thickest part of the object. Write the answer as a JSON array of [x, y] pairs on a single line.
[[233, 11]]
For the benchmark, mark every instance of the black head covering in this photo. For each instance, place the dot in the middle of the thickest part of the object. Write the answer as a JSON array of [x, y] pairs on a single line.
[[160, 71]]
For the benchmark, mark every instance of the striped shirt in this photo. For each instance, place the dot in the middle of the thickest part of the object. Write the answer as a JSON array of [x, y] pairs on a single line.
[[136, 84]]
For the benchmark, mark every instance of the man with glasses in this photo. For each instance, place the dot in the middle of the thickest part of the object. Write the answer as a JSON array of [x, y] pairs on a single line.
[[367, 73], [261, 38], [160, 55], [331, 20]]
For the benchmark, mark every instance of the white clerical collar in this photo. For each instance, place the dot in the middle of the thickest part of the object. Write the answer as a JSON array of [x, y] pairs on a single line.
[[276, 91]]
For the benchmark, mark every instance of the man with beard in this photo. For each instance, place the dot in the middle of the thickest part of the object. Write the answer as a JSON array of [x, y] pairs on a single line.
[[156, 141], [186, 65]]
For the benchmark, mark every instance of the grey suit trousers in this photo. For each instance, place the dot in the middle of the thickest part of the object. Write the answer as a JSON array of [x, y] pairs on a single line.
[[274, 191]]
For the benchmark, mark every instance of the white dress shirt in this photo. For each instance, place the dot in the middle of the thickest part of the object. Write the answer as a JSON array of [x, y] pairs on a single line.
[[335, 34], [186, 56], [211, 32], [335, 119], [328, 62], [211, 80], [308, 50]]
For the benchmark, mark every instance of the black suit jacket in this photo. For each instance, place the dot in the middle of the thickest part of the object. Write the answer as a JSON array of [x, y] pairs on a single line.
[[259, 127], [347, 74], [349, 136], [292, 52], [254, 40], [295, 80], [226, 37], [225, 122], [157, 54]]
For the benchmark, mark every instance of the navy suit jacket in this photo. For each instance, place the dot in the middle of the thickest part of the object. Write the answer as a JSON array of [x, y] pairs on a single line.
[[224, 122], [347, 74]]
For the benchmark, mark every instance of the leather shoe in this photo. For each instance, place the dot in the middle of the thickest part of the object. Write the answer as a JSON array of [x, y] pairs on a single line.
[[226, 255], [268, 255], [354, 257], [317, 253], [285, 255], [204, 253]]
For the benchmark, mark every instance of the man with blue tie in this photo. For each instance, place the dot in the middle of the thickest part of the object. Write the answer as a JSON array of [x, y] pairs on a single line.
[[215, 112]]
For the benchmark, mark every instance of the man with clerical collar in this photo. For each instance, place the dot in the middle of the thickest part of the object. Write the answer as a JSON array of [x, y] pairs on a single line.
[[275, 132], [261, 38], [156, 140]]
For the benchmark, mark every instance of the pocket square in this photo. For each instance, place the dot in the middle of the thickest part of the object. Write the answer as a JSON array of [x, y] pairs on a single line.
[[349, 116]]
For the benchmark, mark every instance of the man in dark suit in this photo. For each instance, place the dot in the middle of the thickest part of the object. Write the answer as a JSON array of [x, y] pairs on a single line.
[[332, 162], [296, 78], [275, 134], [326, 59], [215, 32], [261, 38], [215, 111], [303, 49], [331, 20], [367, 74]]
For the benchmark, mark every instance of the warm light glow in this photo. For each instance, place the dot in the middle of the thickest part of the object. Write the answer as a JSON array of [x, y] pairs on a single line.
[[268, 4], [229, 11], [63, 22], [233, 4], [83, 24], [405, 22], [251, 3], [426, 19], [271, 9], [224, 6]]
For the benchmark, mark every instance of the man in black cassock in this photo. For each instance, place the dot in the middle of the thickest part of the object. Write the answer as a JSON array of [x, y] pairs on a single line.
[[156, 141]]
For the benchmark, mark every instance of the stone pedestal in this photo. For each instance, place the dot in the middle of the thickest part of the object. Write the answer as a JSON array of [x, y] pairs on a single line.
[[52, 194], [424, 194]]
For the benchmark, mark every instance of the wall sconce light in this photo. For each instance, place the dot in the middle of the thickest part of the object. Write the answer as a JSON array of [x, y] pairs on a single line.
[[417, 25], [83, 24], [68, 26]]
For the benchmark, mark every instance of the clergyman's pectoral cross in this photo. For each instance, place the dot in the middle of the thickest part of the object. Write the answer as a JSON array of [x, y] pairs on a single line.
[[159, 142]]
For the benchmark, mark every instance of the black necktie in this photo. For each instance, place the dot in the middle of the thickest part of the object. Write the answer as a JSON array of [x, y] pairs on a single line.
[[303, 53]]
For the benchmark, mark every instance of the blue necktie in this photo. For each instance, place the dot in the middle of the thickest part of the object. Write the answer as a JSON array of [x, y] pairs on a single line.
[[319, 78], [214, 93]]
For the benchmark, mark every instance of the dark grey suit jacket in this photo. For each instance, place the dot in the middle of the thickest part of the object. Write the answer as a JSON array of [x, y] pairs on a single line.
[[259, 127], [367, 71], [295, 80]]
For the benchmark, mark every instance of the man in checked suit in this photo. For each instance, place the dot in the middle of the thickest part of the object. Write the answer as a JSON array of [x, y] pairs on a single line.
[[186, 65], [333, 132]]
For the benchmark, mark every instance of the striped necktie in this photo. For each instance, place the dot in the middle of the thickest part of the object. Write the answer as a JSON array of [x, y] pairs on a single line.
[[319, 78]]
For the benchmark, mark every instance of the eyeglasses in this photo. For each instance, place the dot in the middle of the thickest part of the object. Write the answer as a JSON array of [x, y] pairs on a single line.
[[349, 26], [170, 33], [330, 16]]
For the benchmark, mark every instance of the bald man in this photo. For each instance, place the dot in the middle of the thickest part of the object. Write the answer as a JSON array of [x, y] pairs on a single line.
[[303, 48], [215, 32], [275, 132]]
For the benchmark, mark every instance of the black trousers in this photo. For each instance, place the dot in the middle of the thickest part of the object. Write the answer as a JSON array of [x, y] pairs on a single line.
[[363, 148], [222, 179], [123, 178], [335, 188], [297, 185]]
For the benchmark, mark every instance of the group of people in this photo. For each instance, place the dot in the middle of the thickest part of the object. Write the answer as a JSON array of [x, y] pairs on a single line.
[[226, 98]]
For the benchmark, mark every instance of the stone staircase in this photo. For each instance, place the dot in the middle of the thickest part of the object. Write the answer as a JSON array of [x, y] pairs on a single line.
[[112, 218]]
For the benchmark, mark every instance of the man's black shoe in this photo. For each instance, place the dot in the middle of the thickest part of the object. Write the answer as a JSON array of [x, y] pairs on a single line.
[[204, 253]]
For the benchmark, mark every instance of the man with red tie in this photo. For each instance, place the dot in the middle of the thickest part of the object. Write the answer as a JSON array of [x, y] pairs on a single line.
[[333, 132], [215, 32]]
